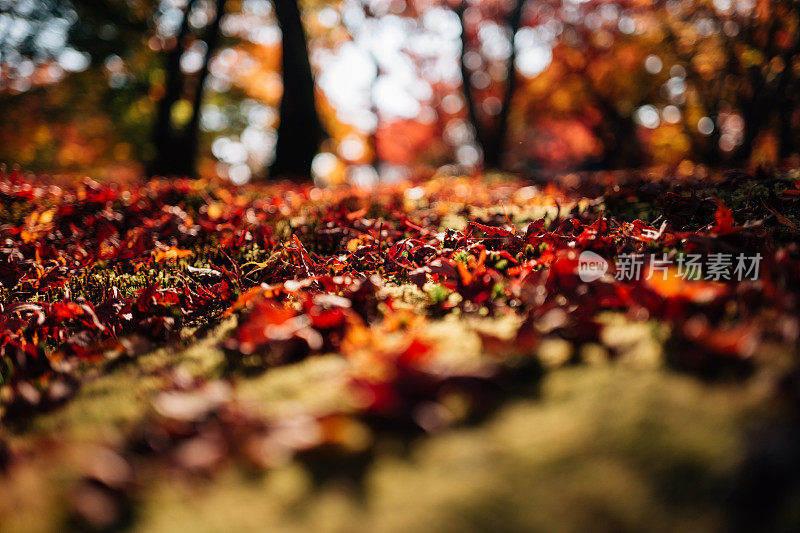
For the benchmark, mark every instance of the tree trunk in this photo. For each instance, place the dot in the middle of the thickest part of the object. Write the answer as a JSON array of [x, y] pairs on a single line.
[[191, 133], [168, 159], [466, 86], [621, 146], [300, 130], [786, 130], [616, 131], [755, 114], [787, 97], [492, 140], [493, 157]]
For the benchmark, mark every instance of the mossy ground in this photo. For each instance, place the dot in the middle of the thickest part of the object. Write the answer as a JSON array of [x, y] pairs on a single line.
[[609, 438], [602, 445]]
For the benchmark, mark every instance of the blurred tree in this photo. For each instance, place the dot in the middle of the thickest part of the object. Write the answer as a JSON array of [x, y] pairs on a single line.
[[300, 130], [580, 109], [101, 86], [612, 78], [740, 60], [490, 132], [69, 100], [110, 27], [23, 25], [170, 156], [176, 126]]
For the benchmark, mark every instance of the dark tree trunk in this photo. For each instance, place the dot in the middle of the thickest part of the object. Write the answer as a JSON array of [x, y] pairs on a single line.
[[493, 154], [713, 155], [755, 112], [752, 127], [705, 147], [616, 131], [176, 149], [492, 139], [168, 159], [300, 131], [466, 85], [770, 98], [787, 100], [786, 124], [621, 145], [192, 131]]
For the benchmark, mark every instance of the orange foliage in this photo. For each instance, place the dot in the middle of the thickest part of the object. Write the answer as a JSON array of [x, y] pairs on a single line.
[[400, 141]]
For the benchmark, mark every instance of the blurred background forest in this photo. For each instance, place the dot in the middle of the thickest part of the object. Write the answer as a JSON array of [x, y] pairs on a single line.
[[390, 88]]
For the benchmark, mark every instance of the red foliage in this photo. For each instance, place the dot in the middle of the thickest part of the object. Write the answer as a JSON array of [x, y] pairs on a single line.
[[198, 255]]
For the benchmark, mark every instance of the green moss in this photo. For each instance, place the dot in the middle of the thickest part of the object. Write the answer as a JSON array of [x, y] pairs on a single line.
[[438, 294], [602, 448], [120, 395]]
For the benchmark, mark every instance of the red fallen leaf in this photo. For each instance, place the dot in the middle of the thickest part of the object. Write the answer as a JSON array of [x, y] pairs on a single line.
[[264, 322], [201, 300], [795, 191], [415, 354], [494, 231], [534, 228], [674, 286], [565, 265], [245, 299], [327, 311], [355, 215], [146, 298], [308, 263], [221, 290], [723, 221], [126, 229], [284, 333], [396, 251], [739, 340], [642, 231], [521, 271], [24, 307], [442, 267], [328, 318], [594, 235], [463, 271], [153, 296], [61, 311], [171, 253]]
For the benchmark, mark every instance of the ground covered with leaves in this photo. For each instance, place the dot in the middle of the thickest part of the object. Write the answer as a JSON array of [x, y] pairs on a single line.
[[185, 354]]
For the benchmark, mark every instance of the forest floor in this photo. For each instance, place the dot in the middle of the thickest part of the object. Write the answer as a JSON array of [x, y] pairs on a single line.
[[188, 355]]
